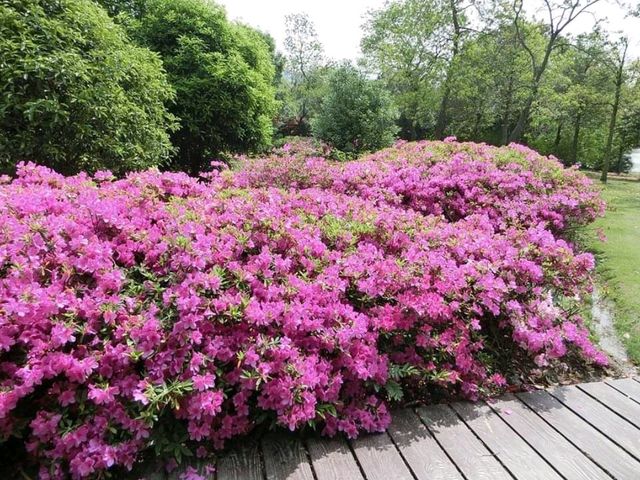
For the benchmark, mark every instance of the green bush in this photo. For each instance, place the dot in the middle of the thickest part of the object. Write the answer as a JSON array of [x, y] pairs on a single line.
[[357, 114], [75, 93], [222, 73]]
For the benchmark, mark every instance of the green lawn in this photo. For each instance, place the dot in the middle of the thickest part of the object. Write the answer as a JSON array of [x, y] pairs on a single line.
[[619, 258]]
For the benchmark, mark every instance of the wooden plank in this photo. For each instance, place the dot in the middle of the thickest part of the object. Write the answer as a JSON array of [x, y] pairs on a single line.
[[515, 454], [379, 458], [589, 440], [627, 386], [285, 458], [562, 455], [242, 462], [614, 400], [611, 425], [466, 451], [331, 459], [419, 449]]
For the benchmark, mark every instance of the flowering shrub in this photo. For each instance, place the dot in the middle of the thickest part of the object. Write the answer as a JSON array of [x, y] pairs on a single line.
[[302, 147], [159, 310], [512, 185]]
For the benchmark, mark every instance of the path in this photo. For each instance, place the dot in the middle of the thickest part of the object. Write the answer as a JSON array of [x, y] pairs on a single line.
[[587, 431]]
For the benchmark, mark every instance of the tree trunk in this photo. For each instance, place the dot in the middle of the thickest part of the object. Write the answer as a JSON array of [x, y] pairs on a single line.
[[619, 164], [575, 144], [614, 116], [441, 122], [523, 119], [476, 126], [556, 141], [506, 116]]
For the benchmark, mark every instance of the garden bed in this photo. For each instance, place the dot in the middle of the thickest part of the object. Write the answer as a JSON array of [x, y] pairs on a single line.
[[168, 312]]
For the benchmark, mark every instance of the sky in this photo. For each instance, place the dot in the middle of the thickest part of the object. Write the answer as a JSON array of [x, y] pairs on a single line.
[[338, 22]]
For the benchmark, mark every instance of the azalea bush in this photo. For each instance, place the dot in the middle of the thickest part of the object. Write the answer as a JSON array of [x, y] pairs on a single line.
[[170, 312], [512, 185]]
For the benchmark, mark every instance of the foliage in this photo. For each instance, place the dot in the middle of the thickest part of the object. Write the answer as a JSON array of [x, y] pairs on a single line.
[[177, 312], [405, 43], [305, 74], [222, 73], [356, 113], [75, 93], [130, 8], [496, 72]]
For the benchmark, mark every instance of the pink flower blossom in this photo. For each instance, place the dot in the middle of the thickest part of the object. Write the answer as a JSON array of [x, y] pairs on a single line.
[[292, 288]]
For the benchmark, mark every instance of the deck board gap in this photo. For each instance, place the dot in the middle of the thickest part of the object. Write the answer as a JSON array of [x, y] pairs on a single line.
[[353, 454], [308, 454], [393, 441], [623, 393], [440, 445], [493, 454], [616, 386], [556, 431], [613, 440], [532, 447], [609, 406], [263, 463], [568, 438]]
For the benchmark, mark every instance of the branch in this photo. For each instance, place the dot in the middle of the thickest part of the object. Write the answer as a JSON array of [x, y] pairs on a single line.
[[575, 14], [518, 11]]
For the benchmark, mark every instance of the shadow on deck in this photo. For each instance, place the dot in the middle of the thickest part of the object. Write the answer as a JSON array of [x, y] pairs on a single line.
[[588, 431]]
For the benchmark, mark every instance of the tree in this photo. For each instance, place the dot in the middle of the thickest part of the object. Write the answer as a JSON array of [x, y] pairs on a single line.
[[629, 126], [132, 8], [222, 73], [569, 118], [560, 14], [75, 93], [487, 89], [455, 16], [618, 67], [305, 75], [356, 114], [406, 44]]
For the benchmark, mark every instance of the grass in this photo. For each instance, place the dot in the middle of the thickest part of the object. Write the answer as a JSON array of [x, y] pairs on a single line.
[[618, 259]]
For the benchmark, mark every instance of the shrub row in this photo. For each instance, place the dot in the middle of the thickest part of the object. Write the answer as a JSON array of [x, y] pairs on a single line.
[[167, 311]]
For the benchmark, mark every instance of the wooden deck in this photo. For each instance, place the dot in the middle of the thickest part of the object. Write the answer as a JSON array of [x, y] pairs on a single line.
[[589, 431]]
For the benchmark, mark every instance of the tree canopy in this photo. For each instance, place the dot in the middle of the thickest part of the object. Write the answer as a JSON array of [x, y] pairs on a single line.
[[493, 71], [222, 73], [356, 114], [75, 93]]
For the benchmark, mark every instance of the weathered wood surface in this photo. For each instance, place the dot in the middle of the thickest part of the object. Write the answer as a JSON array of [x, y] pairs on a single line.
[[332, 458], [466, 451], [241, 463], [614, 400], [425, 457], [628, 386], [589, 432], [544, 439], [586, 438], [594, 413], [509, 447], [379, 458], [285, 458]]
